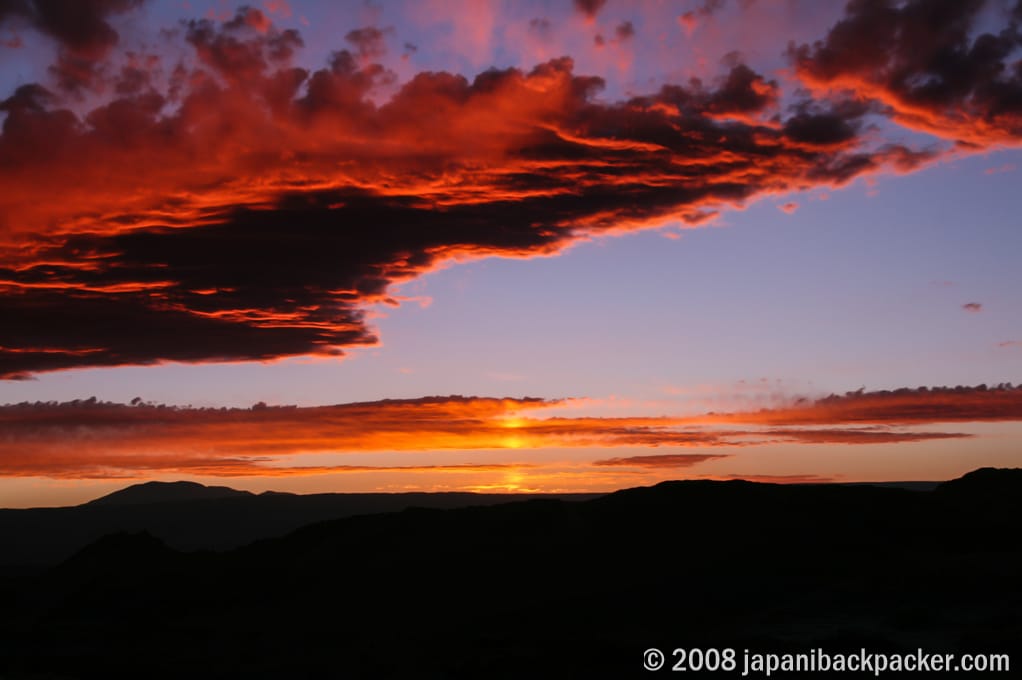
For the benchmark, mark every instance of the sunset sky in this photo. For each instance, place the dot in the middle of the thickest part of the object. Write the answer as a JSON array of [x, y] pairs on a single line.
[[508, 246]]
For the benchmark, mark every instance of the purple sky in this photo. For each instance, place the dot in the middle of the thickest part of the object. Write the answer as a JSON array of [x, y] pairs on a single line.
[[903, 274]]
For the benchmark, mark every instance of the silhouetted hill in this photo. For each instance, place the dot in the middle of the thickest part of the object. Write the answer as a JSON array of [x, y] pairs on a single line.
[[540, 588], [167, 492], [189, 516], [987, 482]]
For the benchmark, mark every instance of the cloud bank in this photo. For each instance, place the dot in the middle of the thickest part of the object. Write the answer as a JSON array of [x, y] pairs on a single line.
[[84, 439], [228, 205]]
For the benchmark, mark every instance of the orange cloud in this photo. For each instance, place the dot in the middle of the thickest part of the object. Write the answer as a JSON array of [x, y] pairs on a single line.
[[231, 206], [96, 439]]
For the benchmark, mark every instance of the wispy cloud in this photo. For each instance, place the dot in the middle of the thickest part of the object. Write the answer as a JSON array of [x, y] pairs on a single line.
[[675, 460], [96, 439], [1007, 167], [786, 479], [905, 406]]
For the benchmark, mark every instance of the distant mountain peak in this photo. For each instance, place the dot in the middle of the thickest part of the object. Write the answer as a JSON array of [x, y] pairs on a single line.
[[167, 492]]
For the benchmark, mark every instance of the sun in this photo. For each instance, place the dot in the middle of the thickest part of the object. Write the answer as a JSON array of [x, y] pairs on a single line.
[[513, 442]]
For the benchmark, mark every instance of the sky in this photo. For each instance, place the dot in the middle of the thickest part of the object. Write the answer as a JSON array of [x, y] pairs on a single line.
[[576, 245]]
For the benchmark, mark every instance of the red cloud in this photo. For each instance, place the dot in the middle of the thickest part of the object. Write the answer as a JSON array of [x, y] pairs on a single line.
[[590, 8], [903, 406], [689, 20], [1007, 167], [935, 72], [236, 207]]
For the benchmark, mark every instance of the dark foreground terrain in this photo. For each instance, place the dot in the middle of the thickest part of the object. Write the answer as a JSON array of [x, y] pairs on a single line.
[[542, 588], [190, 516]]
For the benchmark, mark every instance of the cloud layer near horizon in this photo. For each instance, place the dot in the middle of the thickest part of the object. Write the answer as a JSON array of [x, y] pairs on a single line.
[[230, 205], [90, 439]]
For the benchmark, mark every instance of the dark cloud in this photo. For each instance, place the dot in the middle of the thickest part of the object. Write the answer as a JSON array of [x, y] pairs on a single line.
[[370, 43], [926, 61], [259, 213], [81, 26], [81, 29], [624, 31], [875, 435], [820, 129], [540, 26], [973, 307], [124, 327], [242, 49], [710, 7], [743, 91], [691, 18], [248, 18], [590, 8]]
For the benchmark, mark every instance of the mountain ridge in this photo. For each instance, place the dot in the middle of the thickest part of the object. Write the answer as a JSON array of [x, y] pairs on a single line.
[[542, 587], [188, 516], [165, 492]]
